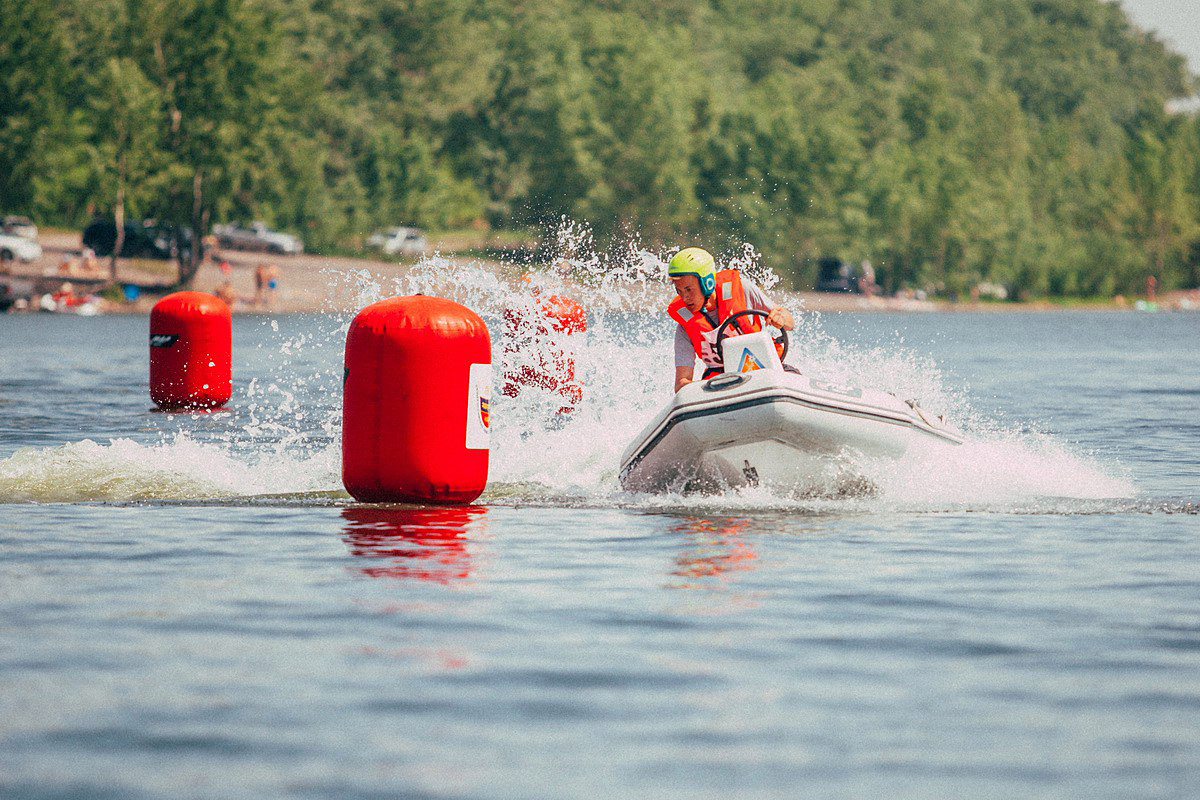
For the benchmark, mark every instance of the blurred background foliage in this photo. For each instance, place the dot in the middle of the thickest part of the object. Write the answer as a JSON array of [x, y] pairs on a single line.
[[1020, 142]]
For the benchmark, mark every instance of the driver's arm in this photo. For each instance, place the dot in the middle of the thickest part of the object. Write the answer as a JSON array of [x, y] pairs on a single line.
[[757, 299], [683, 376], [685, 359], [781, 318]]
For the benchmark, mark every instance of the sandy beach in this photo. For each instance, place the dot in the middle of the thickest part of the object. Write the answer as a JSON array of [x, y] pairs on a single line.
[[309, 283], [303, 285]]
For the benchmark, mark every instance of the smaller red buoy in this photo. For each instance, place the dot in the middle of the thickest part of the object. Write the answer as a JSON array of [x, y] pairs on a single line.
[[191, 352]]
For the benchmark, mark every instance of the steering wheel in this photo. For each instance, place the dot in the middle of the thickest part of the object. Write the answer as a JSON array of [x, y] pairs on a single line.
[[781, 339]]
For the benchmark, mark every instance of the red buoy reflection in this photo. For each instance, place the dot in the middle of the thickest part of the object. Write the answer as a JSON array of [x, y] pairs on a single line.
[[427, 544]]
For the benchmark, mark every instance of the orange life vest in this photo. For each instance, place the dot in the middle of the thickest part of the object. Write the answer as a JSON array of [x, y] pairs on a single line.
[[731, 298]]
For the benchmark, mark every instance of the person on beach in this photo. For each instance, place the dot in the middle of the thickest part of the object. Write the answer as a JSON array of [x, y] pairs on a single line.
[[272, 278], [225, 292], [705, 299], [210, 248], [260, 285]]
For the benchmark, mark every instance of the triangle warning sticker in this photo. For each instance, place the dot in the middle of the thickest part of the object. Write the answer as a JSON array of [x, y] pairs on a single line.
[[749, 362]]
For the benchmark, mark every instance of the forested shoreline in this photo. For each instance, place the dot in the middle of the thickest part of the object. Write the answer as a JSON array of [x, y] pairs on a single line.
[[1020, 142]]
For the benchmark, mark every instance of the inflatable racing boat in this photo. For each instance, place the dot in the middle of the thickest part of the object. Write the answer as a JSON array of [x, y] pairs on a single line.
[[764, 425]]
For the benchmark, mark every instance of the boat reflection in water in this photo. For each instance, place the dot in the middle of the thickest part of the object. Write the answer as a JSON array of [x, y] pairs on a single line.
[[426, 544], [714, 550]]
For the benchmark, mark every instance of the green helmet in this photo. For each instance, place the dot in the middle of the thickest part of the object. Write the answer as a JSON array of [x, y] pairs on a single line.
[[695, 261]]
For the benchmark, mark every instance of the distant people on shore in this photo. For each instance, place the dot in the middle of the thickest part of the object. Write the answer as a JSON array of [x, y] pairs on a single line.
[[260, 285], [66, 300], [866, 283], [210, 246], [266, 281], [225, 293], [84, 265]]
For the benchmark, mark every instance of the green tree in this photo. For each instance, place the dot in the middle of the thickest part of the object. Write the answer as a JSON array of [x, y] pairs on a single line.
[[1165, 215], [35, 74], [124, 110], [949, 141]]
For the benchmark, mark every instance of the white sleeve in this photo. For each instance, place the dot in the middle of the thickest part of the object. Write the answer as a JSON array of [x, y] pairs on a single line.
[[685, 355], [756, 298]]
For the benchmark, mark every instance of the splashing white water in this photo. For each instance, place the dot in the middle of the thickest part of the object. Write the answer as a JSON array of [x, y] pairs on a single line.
[[287, 439], [179, 469]]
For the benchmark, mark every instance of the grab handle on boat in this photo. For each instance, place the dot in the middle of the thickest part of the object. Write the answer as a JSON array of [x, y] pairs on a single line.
[[726, 381]]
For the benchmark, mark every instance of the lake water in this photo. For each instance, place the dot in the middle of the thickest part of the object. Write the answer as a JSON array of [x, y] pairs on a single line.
[[190, 606]]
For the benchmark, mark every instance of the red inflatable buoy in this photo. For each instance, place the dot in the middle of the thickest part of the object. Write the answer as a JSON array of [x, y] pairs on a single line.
[[415, 408], [191, 350], [551, 367]]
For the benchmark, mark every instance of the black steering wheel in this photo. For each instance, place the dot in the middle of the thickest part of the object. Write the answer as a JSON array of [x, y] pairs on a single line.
[[781, 339]]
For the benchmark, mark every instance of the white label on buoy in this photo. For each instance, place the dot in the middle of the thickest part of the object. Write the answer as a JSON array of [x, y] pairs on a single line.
[[479, 400]]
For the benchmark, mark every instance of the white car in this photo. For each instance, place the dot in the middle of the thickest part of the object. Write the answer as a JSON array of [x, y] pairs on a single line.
[[18, 247], [391, 241], [257, 236], [19, 226]]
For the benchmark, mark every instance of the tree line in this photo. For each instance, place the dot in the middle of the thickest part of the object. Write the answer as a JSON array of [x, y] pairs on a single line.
[[1020, 142]]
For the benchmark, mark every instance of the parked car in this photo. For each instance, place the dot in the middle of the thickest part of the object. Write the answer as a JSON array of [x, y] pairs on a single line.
[[145, 239], [391, 241], [836, 275], [18, 248], [16, 292], [257, 236], [19, 226]]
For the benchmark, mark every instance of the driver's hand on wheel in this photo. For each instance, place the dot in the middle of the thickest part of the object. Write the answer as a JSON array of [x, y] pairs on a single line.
[[781, 318]]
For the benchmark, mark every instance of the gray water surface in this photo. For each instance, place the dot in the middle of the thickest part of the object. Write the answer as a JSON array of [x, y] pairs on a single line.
[[584, 643]]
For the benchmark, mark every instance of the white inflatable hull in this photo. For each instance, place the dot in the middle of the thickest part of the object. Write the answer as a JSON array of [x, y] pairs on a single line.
[[773, 428]]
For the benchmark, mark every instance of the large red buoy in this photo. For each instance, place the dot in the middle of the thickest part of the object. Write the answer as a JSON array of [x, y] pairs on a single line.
[[543, 328], [415, 413], [191, 345]]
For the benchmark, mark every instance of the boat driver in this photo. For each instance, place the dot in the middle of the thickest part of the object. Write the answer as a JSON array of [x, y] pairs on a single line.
[[707, 298]]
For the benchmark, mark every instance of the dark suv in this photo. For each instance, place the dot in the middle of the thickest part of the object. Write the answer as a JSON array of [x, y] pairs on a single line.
[[836, 275], [142, 239]]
